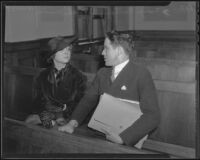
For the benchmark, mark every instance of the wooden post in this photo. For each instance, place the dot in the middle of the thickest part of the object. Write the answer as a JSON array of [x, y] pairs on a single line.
[[12, 82]]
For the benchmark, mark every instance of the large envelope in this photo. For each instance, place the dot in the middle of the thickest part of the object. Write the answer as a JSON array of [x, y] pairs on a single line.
[[114, 114]]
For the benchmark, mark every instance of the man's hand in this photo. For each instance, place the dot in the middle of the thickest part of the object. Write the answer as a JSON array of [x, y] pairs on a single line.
[[113, 137], [69, 127]]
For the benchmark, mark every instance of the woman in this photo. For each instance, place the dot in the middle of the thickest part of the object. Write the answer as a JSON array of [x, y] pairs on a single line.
[[58, 88]]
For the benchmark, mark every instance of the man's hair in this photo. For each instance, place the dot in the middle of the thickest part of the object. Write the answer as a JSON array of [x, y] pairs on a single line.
[[125, 40]]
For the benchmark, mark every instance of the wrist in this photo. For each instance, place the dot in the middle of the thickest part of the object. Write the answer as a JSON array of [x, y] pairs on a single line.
[[73, 123]]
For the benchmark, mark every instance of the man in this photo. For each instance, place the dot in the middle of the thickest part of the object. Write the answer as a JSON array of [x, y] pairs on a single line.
[[58, 88], [139, 87]]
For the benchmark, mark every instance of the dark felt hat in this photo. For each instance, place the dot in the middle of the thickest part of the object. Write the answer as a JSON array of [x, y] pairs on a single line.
[[58, 43]]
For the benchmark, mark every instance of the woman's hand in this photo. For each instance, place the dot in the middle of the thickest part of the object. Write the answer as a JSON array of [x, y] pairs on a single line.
[[33, 119]]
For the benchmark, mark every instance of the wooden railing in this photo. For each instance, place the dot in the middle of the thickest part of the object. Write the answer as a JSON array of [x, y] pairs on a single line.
[[175, 151], [27, 140]]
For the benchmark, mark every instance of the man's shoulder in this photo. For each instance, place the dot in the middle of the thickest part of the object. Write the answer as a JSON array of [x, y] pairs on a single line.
[[138, 70], [104, 70], [138, 67]]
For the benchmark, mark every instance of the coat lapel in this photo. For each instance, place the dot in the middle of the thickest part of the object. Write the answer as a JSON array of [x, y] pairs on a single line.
[[122, 76]]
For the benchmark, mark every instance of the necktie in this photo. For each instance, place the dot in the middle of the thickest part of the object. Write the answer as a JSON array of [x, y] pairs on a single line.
[[59, 75]]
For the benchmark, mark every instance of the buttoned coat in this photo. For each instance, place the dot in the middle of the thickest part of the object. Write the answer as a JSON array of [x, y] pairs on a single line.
[[134, 82], [69, 90]]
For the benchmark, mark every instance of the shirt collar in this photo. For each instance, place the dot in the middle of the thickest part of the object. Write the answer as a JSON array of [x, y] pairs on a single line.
[[120, 66]]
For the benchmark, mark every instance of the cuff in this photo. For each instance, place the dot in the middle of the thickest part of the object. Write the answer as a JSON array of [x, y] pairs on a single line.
[[73, 123]]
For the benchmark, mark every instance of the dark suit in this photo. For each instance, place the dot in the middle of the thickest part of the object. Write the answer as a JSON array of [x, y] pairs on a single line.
[[140, 87]]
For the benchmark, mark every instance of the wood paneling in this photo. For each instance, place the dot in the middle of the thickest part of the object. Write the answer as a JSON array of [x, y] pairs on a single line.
[[169, 36], [178, 120], [87, 63], [19, 93], [169, 70], [167, 50], [173, 45], [177, 45], [175, 81]]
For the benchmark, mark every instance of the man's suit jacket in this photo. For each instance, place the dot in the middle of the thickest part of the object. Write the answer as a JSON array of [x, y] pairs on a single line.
[[139, 87]]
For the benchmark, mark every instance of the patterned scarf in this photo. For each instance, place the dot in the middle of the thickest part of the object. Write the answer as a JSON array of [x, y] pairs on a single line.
[[55, 76]]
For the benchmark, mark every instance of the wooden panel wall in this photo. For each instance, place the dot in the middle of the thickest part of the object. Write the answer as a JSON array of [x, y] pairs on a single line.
[[174, 45], [171, 59], [175, 83], [32, 54], [17, 91]]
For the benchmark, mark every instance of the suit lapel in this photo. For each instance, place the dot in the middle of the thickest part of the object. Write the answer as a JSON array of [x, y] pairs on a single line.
[[125, 72]]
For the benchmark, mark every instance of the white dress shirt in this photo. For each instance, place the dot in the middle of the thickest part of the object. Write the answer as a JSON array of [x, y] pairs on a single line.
[[117, 69]]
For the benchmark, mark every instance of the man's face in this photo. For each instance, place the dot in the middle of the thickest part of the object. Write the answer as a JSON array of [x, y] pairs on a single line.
[[110, 53], [63, 56]]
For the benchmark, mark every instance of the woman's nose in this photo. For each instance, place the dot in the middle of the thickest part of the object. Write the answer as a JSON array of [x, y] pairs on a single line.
[[67, 51]]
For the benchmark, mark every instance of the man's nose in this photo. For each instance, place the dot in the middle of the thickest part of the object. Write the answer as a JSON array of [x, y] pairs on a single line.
[[103, 52]]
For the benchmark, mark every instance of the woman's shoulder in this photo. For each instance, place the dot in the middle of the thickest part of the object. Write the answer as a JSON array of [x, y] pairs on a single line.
[[44, 72]]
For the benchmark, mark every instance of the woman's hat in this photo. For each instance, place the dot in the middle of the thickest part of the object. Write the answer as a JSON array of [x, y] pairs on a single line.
[[58, 43]]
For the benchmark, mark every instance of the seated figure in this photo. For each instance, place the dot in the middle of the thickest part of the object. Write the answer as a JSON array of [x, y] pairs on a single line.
[[121, 78], [57, 89]]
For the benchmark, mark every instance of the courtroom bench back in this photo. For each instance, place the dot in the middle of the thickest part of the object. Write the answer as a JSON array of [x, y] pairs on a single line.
[[175, 84]]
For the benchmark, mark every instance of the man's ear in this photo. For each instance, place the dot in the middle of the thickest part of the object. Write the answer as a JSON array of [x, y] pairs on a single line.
[[120, 51]]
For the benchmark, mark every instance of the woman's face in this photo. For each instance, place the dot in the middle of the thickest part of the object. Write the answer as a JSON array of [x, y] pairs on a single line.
[[63, 56]]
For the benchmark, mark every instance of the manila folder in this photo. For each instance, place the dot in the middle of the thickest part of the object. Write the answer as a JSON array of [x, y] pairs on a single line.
[[114, 114]]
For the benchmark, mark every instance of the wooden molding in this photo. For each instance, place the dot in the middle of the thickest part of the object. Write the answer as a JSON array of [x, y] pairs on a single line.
[[166, 35], [142, 35], [174, 150]]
